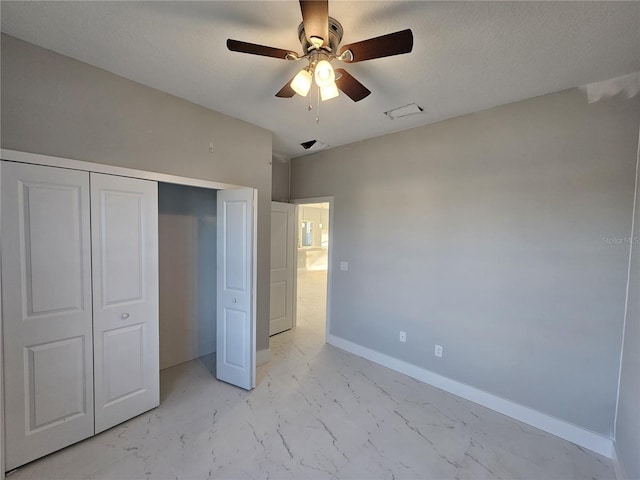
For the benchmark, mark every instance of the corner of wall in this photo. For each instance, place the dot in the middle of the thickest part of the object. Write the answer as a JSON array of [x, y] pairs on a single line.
[[630, 322], [617, 466], [263, 356], [289, 183]]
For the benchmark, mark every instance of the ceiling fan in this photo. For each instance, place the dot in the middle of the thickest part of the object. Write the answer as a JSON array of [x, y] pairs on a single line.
[[320, 36]]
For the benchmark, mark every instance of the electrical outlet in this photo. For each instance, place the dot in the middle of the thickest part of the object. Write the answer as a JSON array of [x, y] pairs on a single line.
[[438, 351], [344, 266], [403, 336]]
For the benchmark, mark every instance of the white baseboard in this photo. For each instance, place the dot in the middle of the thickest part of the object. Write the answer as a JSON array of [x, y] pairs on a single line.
[[560, 428], [263, 356], [617, 466]]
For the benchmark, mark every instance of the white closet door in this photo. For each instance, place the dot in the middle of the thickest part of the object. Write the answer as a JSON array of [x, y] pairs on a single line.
[[282, 260], [124, 234], [236, 327], [46, 301]]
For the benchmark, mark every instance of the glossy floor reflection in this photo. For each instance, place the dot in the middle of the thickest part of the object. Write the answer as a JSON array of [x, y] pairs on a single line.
[[317, 412]]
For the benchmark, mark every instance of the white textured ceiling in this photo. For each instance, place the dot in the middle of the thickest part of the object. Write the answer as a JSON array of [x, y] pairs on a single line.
[[467, 56]]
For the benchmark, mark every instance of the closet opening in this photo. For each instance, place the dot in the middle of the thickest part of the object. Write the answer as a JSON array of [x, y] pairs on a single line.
[[187, 276]]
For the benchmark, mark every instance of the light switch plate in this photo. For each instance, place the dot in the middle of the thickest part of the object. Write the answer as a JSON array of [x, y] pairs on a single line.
[[344, 266]]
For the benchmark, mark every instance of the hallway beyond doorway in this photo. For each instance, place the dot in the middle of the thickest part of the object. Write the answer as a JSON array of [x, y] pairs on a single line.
[[312, 264], [312, 301]]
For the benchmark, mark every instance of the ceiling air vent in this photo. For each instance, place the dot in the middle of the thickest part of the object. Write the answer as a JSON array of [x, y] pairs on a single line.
[[313, 145], [410, 109]]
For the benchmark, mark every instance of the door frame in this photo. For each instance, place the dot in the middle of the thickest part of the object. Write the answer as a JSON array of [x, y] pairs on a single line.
[[61, 162], [305, 201]]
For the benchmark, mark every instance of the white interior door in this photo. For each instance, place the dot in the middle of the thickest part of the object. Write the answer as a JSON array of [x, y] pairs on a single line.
[[46, 289], [124, 234], [282, 265], [236, 327]]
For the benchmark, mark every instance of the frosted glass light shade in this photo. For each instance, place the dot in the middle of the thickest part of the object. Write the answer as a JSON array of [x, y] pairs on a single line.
[[301, 83], [329, 91], [324, 74]]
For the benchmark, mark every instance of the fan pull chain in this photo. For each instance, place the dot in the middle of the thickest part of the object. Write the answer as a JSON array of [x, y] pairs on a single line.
[[318, 107]]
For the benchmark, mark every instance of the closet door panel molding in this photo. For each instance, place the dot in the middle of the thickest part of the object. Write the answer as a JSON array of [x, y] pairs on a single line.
[[124, 220], [47, 310]]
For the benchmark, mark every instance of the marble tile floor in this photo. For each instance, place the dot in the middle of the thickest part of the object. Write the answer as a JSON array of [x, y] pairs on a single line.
[[317, 412]]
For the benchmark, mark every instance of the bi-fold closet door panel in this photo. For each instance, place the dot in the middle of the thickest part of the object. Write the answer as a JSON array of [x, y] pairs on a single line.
[[80, 305], [235, 323], [46, 290], [124, 232]]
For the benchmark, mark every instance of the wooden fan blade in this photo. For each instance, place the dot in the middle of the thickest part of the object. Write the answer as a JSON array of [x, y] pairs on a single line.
[[385, 46], [287, 91], [315, 17], [350, 86], [255, 49]]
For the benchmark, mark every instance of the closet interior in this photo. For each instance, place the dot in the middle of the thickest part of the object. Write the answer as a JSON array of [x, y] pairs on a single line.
[[187, 257]]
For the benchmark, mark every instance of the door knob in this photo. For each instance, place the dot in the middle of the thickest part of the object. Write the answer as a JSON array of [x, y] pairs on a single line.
[[124, 316], [234, 300]]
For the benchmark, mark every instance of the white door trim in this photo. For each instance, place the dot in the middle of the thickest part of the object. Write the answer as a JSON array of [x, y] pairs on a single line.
[[47, 160], [254, 287], [305, 201]]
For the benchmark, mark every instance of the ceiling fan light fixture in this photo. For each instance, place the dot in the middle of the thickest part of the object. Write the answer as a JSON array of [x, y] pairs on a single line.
[[329, 91], [320, 37], [346, 56], [301, 83], [324, 74]]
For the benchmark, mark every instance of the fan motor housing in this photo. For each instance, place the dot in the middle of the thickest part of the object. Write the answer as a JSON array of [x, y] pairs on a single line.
[[335, 37]]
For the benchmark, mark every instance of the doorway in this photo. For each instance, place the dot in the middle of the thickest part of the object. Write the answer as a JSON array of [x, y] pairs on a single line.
[[313, 262], [187, 272]]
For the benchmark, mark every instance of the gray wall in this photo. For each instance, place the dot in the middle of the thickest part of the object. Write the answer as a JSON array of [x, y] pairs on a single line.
[[628, 421], [54, 105], [280, 180], [187, 272], [489, 234]]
